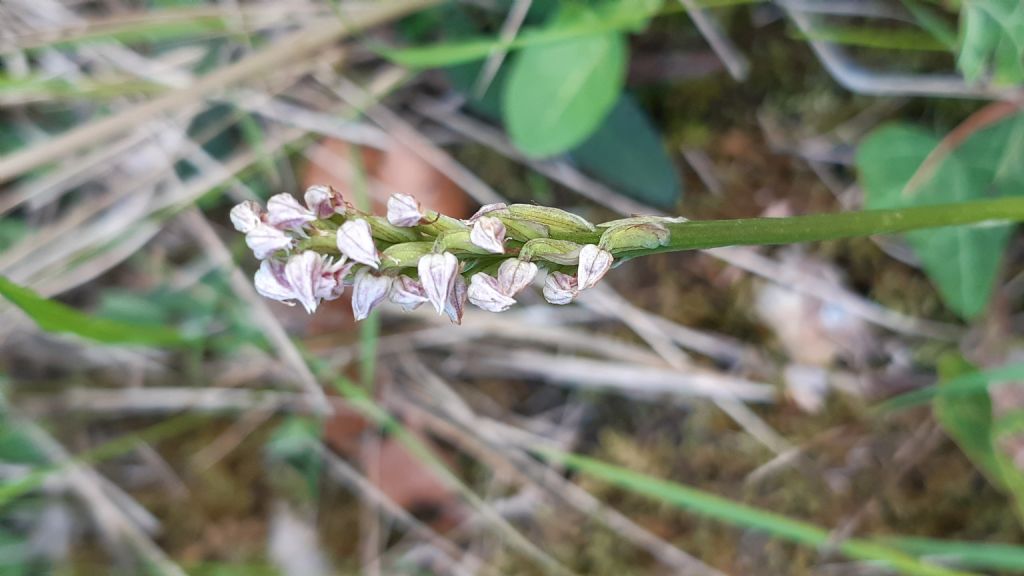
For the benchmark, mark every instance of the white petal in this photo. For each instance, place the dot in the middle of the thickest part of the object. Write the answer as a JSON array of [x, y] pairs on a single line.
[[456, 303], [560, 288], [485, 293], [324, 201], [304, 273], [407, 293], [265, 240], [514, 275], [271, 282], [285, 212], [404, 210], [594, 264], [488, 233], [355, 240], [332, 280], [437, 274], [246, 216], [368, 291], [485, 209]]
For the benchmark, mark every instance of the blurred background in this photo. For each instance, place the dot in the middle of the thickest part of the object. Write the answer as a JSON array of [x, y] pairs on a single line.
[[764, 411]]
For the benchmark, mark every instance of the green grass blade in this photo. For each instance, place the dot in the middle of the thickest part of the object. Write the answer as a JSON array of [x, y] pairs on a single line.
[[973, 383], [53, 316], [974, 555], [744, 516]]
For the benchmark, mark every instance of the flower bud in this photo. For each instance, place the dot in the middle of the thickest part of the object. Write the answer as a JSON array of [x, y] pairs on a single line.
[[559, 222], [594, 264], [305, 274], [246, 216], [271, 282], [643, 220], [558, 251], [356, 242], [523, 230], [404, 211], [560, 288], [488, 233], [649, 235], [437, 274], [324, 201], [458, 241], [514, 275], [264, 240], [285, 212], [405, 255], [485, 293], [456, 303], [368, 291], [407, 293], [485, 209], [381, 229]]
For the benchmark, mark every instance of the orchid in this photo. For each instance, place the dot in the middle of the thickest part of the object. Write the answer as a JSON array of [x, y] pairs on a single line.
[[414, 256]]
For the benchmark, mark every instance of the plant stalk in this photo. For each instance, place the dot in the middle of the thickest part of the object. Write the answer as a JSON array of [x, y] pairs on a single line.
[[703, 234]]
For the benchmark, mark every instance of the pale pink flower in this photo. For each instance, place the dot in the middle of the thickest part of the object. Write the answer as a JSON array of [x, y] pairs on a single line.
[[485, 293], [485, 209], [407, 293], [271, 282], [368, 291], [246, 216], [594, 264], [560, 288], [355, 240], [324, 201], [514, 276], [488, 233], [285, 212], [437, 274], [456, 303], [404, 211], [336, 271], [264, 240], [305, 273]]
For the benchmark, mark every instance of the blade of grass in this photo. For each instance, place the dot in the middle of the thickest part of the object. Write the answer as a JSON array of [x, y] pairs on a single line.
[[976, 555], [884, 39], [973, 383], [53, 316], [742, 515]]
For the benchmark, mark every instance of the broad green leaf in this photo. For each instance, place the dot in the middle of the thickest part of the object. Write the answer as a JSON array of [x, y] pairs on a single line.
[[992, 39], [742, 515], [558, 94], [641, 170], [626, 16], [53, 316], [963, 262]]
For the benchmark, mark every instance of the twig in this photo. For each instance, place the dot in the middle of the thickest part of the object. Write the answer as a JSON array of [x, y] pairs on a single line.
[[735, 62]]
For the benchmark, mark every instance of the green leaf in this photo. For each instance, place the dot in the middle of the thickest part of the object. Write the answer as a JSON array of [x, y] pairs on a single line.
[[558, 94], [968, 421], [992, 38], [742, 515], [1010, 478], [964, 261], [977, 555], [641, 170], [56, 317], [959, 387]]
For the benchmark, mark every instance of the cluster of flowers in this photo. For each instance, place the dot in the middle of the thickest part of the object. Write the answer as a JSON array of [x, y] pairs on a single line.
[[311, 253]]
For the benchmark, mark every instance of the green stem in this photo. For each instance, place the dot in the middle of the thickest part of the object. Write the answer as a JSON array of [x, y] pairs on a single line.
[[702, 234]]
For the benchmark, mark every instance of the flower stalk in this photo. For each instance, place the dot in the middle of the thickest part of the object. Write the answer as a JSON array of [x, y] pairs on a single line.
[[312, 253]]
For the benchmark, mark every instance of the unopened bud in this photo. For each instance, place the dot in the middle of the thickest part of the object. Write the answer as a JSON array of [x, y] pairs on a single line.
[[594, 264], [356, 241], [560, 288], [559, 222], [405, 255], [285, 212], [404, 211], [437, 274], [246, 216], [407, 293], [382, 229], [368, 291], [649, 235], [456, 303], [514, 275], [557, 251], [324, 201], [488, 233], [485, 293], [486, 209]]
